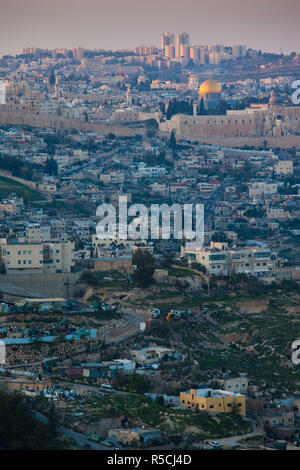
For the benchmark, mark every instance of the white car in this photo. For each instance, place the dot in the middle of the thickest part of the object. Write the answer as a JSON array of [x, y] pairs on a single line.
[[216, 445]]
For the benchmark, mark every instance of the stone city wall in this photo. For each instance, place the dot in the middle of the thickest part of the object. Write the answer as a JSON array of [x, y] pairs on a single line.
[[60, 123]]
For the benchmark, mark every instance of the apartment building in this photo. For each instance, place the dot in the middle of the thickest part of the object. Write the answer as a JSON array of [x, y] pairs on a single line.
[[34, 232], [153, 354], [108, 368], [218, 259], [277, 213], [11, 205], [160, 188], [143, 437], [214, 401], [114, 177], [207, 187], [19, 256], [48, 107], [111, 247], [21, 385], [80, 155], [260, 189], [47, 187], [150, 171], [284, 168], [234, 384]]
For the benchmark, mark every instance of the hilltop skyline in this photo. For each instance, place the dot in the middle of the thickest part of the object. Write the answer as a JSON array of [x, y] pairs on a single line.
[[271, 26]]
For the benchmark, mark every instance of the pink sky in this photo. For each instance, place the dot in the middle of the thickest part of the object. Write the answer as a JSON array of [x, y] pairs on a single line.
[[269, 25]]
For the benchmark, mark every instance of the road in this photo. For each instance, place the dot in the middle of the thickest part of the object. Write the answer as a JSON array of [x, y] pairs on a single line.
[[90, 388], [233, 441], [80, 439]]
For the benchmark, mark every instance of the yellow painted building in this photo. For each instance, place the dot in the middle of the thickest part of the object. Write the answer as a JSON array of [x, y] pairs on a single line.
[[214, 401]]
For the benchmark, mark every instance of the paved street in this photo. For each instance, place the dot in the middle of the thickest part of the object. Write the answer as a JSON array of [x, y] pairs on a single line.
[[80, 439]]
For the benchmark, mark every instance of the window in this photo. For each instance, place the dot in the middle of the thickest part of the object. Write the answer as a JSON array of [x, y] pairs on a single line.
[[262, 254]]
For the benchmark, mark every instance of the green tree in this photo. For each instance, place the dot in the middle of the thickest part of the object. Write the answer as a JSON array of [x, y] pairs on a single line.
[[19, 430], [52, 78], [145, 267], [51, 166], [202, 110], [52, 420], [132, 383], [172, 141], [160, 400]]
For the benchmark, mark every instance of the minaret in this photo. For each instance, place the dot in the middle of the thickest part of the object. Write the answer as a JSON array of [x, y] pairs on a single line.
[[194, 108], [128, 95]]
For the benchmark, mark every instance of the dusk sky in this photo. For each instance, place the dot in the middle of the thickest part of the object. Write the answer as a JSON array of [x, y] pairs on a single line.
[[269, 25]]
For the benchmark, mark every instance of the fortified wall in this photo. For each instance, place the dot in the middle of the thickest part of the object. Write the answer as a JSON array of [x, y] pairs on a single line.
[[283, 142], [277, 127], [61, 123]]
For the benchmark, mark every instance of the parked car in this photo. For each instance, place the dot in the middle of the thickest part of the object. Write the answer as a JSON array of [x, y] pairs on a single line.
[[94, 438], [215, 444]]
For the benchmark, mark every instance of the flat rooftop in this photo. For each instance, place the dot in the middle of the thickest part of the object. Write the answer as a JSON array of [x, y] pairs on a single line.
[[206, 392]]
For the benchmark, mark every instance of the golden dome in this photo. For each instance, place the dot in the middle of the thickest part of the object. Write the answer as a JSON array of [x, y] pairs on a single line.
[[210, 86]]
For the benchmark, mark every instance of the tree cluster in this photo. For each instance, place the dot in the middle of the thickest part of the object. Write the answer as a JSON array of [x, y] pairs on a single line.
[[18, 428], [145, 266]]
